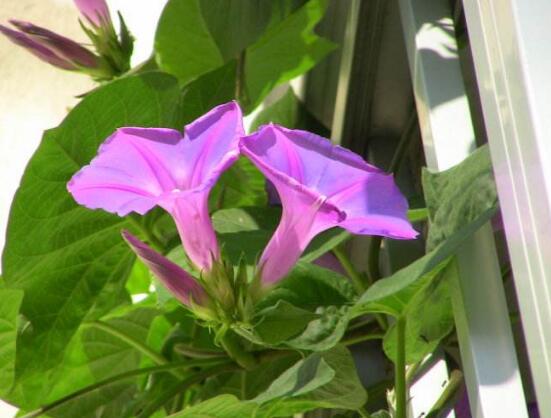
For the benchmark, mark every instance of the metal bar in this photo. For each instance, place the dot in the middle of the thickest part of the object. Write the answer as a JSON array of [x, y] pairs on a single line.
[[510, 45], [485, 337]]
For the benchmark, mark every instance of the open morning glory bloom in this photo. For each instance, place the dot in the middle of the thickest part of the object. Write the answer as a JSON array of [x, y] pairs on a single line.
[[139, 168], [321, 186], [180, 283]]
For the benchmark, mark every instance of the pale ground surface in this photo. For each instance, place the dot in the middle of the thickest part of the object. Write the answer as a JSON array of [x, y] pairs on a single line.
[[35, 96]]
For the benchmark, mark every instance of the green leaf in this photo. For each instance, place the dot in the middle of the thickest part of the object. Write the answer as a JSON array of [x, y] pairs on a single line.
[[223, 406], [315, 390], [209, 90], [279, 322], [244, 232], [392, 294], [324, 243], [419, 292], [323, 333], [305, 376], [235, 24], [241, 185], [248, 384], [288, 111], [9, 309], [284, 51], [62, 255], [184, 46], [457, 196], [308, 286], [428, 320]]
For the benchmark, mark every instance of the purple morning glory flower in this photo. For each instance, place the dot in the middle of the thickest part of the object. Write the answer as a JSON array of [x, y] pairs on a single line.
[[180, 283], [321, 186], [139, 168], [37, 48], [96, 11]]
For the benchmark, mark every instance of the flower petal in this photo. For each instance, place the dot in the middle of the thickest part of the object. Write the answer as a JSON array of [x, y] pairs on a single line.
[[96, 11], [134, 168], [321, 186], [36, 48], [181, 284]]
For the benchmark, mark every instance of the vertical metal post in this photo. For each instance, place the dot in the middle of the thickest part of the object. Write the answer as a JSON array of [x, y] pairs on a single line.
[[510, 45], [482, 321]]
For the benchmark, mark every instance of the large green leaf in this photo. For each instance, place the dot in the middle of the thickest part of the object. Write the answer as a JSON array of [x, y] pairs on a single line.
[[457, 196], [9, 309], [97, 355], [286, 50], [308, 286], [183, 44], [322, 380], [303, 377], [62, 255], [429, 318], [281, 321], [235, 24], [209, 90], [223, 406], [323, 333], [419, 292], [195, 37]]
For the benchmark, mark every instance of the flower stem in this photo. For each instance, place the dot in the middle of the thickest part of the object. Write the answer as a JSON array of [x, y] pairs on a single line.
[[231, 344], [456, 378], [356, 278], [240, 93], [400, 385], [114, 379], [361, 338]]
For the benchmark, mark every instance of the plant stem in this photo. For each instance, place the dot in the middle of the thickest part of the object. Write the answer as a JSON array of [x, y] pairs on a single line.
[[456, 378], [362, 323], [192, 352], [400, 386], [356, 278], [231, 344], [240, 78], [185, 384], [373, 251], [114, 379], [361, 338], [155, 243]]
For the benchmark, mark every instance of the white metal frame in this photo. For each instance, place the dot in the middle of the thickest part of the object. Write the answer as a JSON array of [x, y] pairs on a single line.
[[510, 45], [482, 321]]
